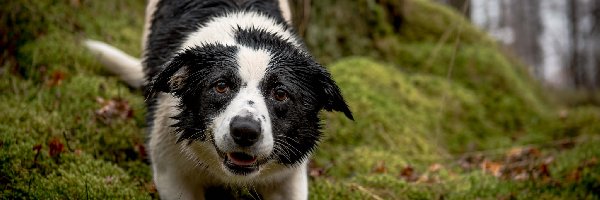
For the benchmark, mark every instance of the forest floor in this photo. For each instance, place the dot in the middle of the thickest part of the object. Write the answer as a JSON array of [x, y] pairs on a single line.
[[441, 112]]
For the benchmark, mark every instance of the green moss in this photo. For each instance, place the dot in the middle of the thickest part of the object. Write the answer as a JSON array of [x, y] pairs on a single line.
[[408, 119], [423, 38], [44, 40], [28, 173], [373, 27]]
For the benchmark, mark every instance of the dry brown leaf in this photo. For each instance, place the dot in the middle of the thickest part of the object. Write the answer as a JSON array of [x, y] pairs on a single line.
[[409, 174], [591, 162], [56, 78], [469, 162], [141, 149], [109, 180], [522, 153], [314, 170], [56, 147], [493, 168], [151, 188], [37, 147], [380, 167], [78, 152], [435, 167], [563, 114], [115, 108], [75, 3], [543, 171], [575, 175]]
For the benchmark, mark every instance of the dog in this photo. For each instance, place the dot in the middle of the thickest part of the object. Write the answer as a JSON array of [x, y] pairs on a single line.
[[233, 97]]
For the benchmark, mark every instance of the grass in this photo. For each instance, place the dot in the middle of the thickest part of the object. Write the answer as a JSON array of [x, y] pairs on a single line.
[[440, 111]]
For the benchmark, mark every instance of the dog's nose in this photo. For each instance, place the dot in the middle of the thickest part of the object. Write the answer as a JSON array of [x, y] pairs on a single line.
[[245, 131]]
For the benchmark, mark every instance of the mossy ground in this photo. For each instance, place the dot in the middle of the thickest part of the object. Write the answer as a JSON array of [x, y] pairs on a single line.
[[439, 97]]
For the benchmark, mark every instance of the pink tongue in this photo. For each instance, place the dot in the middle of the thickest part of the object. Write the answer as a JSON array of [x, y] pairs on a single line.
[[241, 159]]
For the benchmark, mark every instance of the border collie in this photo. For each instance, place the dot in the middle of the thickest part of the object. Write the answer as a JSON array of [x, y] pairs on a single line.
[[233, 97]]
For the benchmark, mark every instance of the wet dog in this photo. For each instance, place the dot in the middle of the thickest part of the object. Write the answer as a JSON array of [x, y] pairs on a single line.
[[233, 96]]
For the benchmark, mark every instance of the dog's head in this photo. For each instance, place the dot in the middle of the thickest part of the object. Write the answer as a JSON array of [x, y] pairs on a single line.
[[255, 95]]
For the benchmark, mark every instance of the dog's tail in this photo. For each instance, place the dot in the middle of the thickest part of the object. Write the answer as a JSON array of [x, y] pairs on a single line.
[[128, 68]]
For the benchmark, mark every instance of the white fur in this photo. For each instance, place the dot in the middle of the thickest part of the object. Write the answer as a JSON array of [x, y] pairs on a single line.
[[118, 62], [220, 30]]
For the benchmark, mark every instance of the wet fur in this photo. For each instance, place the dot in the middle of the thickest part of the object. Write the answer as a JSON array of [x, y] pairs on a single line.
[[188, 46]]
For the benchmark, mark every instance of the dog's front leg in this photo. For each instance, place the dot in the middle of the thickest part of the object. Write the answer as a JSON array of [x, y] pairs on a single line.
[[294, 186], [174, 186]]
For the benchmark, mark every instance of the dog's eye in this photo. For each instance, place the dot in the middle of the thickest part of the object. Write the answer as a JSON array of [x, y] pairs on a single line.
[[221, 87], [280, 95]]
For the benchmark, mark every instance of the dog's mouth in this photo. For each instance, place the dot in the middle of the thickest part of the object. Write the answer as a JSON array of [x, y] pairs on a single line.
[[241, 163]]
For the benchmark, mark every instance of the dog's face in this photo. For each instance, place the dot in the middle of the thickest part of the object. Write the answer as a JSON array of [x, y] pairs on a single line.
[[256, 99]]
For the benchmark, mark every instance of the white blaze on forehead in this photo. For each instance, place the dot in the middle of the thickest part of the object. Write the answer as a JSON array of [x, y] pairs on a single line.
[[221, 30], [252, 64]]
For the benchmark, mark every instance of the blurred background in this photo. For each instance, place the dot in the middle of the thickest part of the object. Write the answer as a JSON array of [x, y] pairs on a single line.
[[559, 40], [453, 99]]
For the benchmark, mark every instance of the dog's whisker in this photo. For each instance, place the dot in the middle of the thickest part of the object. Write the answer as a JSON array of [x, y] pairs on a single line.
[[289, 146]]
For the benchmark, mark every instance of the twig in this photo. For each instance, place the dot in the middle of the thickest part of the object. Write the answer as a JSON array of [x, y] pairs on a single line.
[[366, 191], [67, 141]]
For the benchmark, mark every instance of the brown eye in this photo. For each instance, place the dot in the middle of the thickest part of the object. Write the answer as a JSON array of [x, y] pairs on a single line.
[[280, 95], [221, 87]]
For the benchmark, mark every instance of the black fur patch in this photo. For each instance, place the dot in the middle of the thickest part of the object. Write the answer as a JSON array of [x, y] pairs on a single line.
[[199, 101]]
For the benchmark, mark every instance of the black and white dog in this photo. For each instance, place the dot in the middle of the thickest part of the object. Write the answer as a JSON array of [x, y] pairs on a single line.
[[233, 96]]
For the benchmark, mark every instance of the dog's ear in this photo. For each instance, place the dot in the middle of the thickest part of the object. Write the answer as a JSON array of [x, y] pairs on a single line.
[[333, 100], [172, 78]]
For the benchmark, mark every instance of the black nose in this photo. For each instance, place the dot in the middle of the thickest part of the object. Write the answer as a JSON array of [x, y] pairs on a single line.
[[244, 130]]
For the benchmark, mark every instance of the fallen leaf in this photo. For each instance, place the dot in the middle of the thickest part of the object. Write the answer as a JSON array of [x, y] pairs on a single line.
[[471, 161], [37, 147], [141, 149], [575, 175], [151, 188], [507, 197], [521, 176], [493, 168], [591, 162], [380, 167], [435, 167], [563, 114], [409, 174], [115, 108], [75, 3], [78, 152], [56, 147], [109, 180], [522, 153], [56, 78], [314, 170], [566, 144], [544, 172]]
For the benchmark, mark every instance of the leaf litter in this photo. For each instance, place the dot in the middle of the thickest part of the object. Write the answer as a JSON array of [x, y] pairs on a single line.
[[113, 109]]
